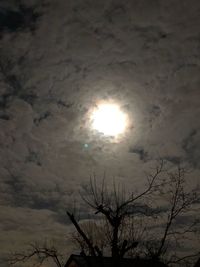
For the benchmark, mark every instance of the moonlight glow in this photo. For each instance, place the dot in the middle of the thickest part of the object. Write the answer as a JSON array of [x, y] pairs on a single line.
[[109, 119]]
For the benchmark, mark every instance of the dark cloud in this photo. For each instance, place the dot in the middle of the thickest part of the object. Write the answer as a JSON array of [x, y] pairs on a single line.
[[147, 210], [191, 146], [34, 157], [143, 155], [22, 18], [173, 159], [13, 83], [42, 117]]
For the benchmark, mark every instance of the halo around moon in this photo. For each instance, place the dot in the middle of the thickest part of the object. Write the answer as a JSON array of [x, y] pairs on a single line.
[[109, 119]]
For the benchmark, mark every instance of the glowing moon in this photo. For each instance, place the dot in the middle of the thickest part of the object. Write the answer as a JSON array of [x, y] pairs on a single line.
[[109, 119]]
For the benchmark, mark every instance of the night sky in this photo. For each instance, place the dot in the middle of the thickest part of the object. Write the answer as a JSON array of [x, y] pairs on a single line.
[[57, 60]]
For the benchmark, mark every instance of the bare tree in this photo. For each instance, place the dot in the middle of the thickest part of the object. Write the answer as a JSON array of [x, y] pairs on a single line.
[[178, 201], [95, 231], [123, 235], [117, 208], [143, 224], [39, 253]]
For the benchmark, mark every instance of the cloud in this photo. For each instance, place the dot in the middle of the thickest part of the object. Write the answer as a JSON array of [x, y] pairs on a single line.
[[58, 60], [191, 146], [17, 17], [143, 155], [22, 226]]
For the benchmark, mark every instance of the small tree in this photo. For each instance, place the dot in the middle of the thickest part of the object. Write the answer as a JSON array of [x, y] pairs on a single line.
[[40, 253]]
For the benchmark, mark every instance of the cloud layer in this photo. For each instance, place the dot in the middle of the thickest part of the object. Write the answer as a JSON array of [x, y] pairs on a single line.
[[57, 59]]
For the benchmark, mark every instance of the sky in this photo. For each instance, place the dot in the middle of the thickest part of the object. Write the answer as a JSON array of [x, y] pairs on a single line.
[[57, 60]]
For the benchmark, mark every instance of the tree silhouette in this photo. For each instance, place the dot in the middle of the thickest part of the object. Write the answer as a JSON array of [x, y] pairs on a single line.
[[40, 252], [132, 224], [124, 216]]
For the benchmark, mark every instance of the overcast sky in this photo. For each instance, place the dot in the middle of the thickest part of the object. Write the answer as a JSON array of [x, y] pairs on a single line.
[[57, 60]]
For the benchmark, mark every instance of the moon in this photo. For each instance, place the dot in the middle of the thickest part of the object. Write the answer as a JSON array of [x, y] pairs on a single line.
[[109, 119]]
